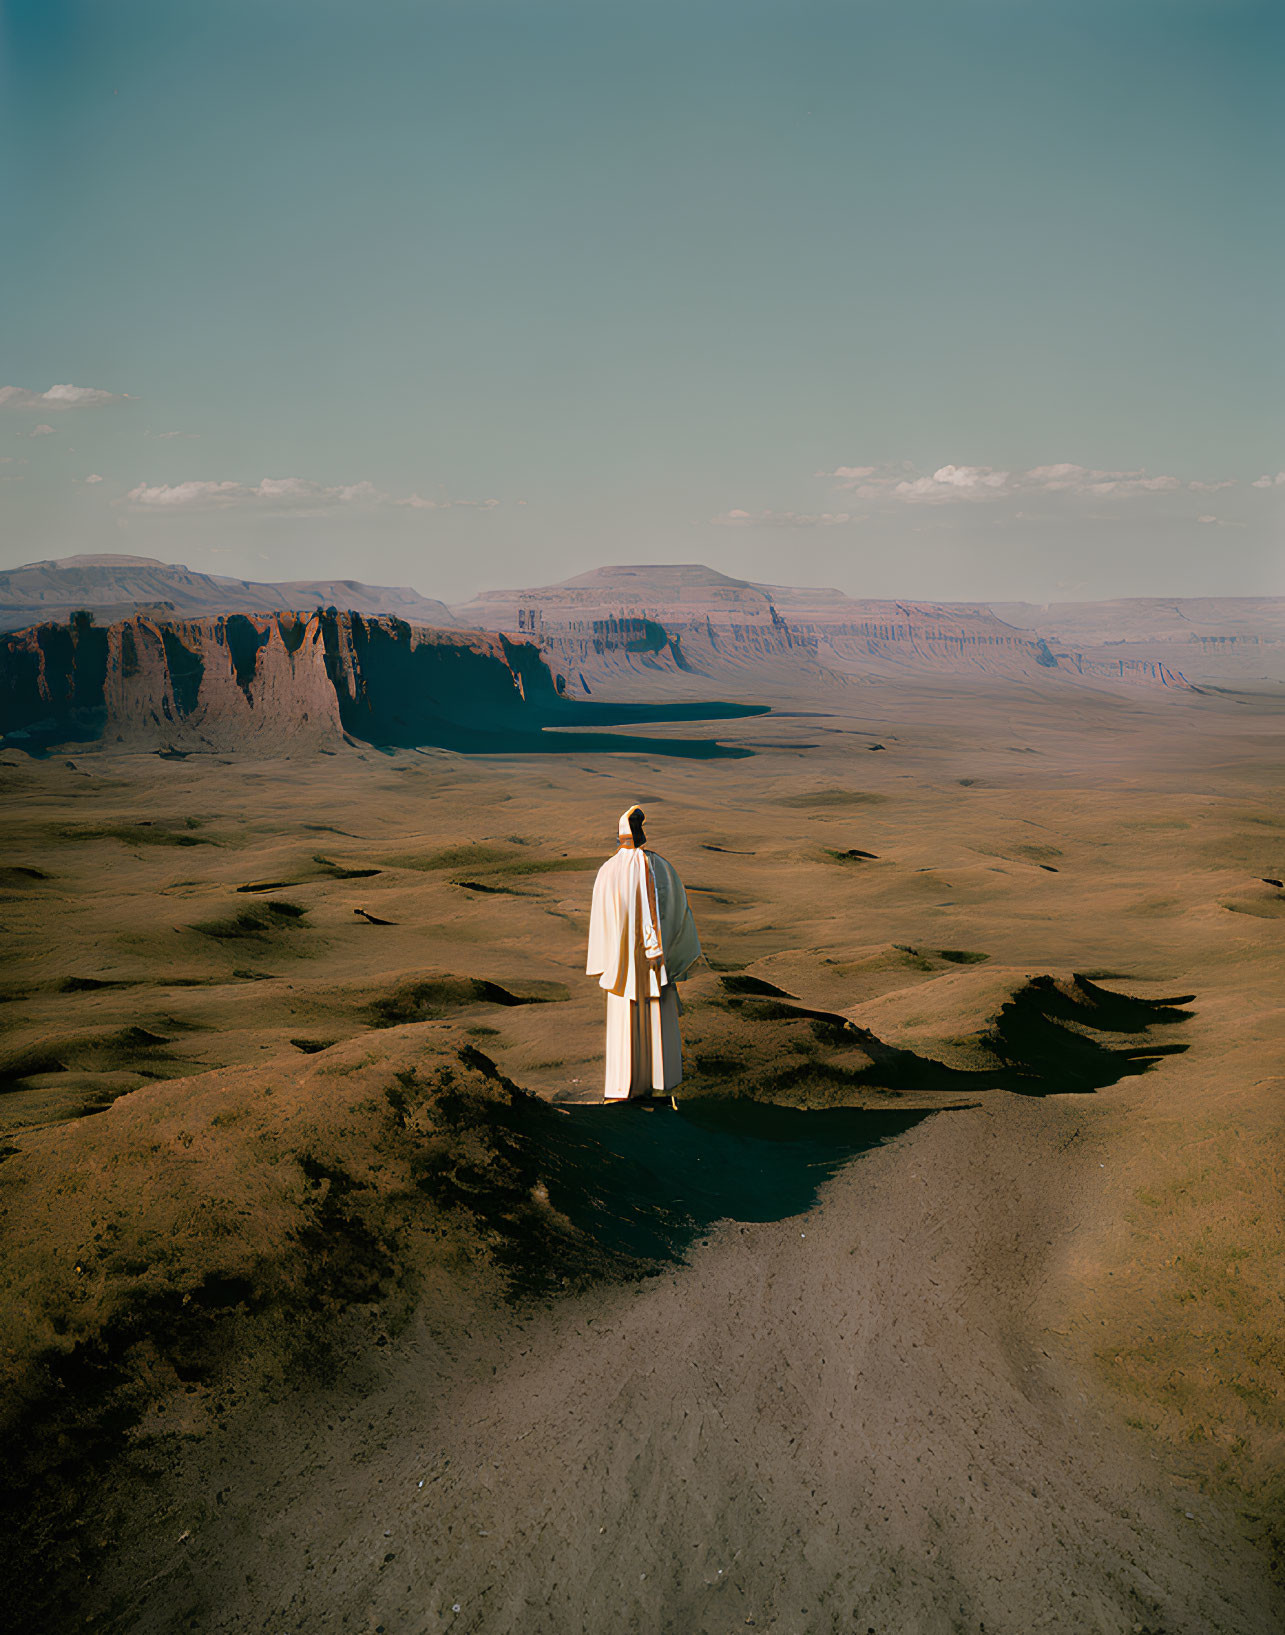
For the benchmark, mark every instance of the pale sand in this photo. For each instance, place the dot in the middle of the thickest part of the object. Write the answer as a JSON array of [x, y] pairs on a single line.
[[1022, 1372]]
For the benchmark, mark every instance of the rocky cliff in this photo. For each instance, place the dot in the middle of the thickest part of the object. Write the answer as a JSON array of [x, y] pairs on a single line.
[[268, 680], [1233, 639], [1254, 619], [617, 628], [273, 681]]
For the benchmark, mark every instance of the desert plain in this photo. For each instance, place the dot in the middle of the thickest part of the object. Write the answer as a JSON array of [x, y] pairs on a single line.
[[949, 1299]]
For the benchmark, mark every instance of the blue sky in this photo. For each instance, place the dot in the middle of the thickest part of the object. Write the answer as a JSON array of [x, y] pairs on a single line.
[[972, 299]]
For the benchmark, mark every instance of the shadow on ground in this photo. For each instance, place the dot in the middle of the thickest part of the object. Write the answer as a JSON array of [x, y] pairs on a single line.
[[641, 1180], [780, 1100], [370, 1182], [1051, 1037]]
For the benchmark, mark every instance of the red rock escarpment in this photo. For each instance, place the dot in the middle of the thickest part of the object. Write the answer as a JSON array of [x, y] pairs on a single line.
[[612, 625], [264, 682]]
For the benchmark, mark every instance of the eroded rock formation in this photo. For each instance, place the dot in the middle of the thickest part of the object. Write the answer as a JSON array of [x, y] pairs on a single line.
[[272, 681], [268, 680], [612, 624]]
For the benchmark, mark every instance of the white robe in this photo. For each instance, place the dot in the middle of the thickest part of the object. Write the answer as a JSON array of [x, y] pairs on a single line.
[[642, 941]]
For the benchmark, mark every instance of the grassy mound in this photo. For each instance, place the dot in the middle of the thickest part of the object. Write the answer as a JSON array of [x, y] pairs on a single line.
[[748, 1037]]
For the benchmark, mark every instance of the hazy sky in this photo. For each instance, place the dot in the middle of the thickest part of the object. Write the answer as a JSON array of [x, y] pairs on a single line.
[[957, 298]]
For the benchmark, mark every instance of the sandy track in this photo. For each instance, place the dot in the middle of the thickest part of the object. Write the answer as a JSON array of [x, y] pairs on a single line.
[[854, 1420]]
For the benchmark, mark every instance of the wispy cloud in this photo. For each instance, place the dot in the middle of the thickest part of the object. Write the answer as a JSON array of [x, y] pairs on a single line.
[[93, 477], [417, 502], [41, 431], [1278, 481], [282, 494], [951, 484], [58, 397], [173, 495], [782, 519]]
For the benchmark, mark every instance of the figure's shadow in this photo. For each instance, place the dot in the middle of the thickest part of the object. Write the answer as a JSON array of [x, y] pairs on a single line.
[[641, 1180], [566, 1195]]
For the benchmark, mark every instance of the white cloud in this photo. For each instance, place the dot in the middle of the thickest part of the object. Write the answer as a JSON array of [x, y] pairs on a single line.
[[80, 397], [93, 477], [1277, 481], [417, 502], [1054, 479], [280, 492], [285, 488], [1129, 482], [58, 397], [296, 495], [782, 519], [41, 431], [354, 491], [169, 495], [1072, 479], [947, 483], [950, 484], [954, 483]]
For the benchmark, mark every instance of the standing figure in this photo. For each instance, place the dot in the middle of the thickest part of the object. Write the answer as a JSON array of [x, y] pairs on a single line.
[[642, 942]]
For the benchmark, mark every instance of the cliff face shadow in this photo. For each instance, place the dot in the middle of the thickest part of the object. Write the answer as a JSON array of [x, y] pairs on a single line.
[[603, 743], [283, 679], [396, 692]]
